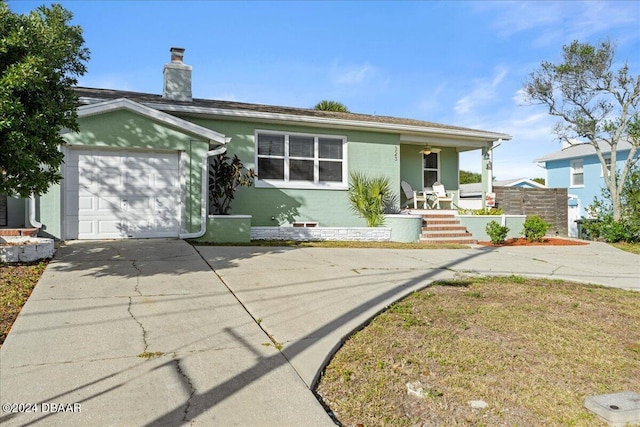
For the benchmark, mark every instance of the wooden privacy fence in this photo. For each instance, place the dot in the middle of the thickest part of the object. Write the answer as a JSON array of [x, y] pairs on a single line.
[[550, 204]]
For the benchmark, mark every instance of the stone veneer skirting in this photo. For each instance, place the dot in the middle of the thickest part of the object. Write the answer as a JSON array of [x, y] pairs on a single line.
[[25, 249], [371, 234]]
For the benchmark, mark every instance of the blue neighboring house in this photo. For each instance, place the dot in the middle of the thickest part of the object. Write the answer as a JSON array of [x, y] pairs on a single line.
[[577, 168]]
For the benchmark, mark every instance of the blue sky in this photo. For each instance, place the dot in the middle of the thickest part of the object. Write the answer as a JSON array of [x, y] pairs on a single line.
[[455, 62]]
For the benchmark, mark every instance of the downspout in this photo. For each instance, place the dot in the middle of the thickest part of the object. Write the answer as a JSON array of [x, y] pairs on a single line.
[[204, 200], [32, 212]]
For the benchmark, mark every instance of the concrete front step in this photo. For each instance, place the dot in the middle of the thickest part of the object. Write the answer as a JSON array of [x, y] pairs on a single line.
[[444, 227], [441, 235], [439, 227], [445, 240], [431, 221]]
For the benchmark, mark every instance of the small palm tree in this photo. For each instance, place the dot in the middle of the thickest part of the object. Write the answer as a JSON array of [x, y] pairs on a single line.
[[326, 105], [370, 197]]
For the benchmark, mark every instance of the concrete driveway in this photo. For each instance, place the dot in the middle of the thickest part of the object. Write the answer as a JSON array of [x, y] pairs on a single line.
[[100, 305]]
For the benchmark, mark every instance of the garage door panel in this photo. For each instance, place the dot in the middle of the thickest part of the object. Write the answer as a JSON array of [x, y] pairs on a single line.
[[139, 204], [85, 177], [139, 180], [108, 204], [84, 203], [122, 194], [165, 181], [111, 228], [109, 178]]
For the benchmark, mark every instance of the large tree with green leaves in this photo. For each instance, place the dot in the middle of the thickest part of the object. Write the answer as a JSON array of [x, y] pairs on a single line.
[[598, 105], [41, 56]]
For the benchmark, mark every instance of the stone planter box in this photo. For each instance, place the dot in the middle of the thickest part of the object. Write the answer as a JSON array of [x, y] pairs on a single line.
[[227, 229], [404, 228], [305, 234], [476, 224], [25, 249]]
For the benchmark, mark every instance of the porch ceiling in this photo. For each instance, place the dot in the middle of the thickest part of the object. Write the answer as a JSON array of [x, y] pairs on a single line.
[[460, 145]]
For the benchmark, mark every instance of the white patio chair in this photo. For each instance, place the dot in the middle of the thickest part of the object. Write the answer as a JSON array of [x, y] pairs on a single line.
[[441, 195], [413, 195]]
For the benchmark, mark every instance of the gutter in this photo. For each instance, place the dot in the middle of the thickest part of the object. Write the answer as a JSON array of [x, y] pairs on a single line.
[[204, 199]]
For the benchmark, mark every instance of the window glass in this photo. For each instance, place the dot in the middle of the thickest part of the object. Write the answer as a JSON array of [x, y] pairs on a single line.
[[304, 161], [607, 168], [430, 177], [577, 174], [301, 170], [330, 148], [270, 168], [431, 161], [301, 146], [331, 171], [271, 145]]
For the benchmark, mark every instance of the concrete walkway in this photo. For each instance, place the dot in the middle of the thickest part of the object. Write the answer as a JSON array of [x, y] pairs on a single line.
[[100, 305]]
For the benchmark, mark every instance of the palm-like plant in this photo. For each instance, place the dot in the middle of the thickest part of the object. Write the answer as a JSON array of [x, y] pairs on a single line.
[[326, 105], [370, 197]]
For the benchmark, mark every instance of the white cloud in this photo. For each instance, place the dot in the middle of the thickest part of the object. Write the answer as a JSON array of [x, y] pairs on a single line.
[[483, 92], [555, 22], [351, 75]]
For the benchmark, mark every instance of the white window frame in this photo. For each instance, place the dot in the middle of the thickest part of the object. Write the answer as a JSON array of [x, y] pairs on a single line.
[[438, 170], [286, 182], [576, 167]]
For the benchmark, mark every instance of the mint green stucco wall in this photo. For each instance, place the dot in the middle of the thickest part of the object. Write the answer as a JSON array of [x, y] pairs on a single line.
[[127, 130], [371, 153]]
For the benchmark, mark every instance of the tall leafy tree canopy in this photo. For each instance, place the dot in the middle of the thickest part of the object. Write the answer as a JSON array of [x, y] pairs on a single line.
[[598, 105], [41, 56]]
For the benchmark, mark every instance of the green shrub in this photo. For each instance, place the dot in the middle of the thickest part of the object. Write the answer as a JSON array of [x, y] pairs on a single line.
[[483, 211], [627, 229], [611, 231], [535, 228], [497, 232], [370, 197]]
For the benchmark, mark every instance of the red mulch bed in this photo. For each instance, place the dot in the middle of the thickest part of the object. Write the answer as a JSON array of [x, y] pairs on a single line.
[[521, 241]]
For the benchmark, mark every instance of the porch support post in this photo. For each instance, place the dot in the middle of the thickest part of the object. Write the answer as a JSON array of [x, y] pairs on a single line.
[[487, 172]]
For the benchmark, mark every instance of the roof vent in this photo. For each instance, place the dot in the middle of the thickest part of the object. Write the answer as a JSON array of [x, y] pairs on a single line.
[[177, 77]]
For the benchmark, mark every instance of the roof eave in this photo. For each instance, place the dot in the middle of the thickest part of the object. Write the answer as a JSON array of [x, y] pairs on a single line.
[[92, 109], [329, 122]]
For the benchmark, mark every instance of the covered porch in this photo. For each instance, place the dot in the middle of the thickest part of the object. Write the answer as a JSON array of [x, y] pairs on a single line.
[[429, 172]]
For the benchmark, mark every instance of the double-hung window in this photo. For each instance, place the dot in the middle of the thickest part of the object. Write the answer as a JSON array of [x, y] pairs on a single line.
[[577, 173], [292, 160], [606, 169], [430, 168]]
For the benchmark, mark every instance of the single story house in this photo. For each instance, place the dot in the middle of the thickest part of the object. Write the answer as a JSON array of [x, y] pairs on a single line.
[[577, 168], [138, 167]]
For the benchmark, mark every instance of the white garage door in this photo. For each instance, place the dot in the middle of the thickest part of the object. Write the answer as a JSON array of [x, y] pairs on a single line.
[[120, 194]]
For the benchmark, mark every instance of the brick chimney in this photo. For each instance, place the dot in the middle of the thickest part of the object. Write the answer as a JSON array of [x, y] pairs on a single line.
[[177, 77]]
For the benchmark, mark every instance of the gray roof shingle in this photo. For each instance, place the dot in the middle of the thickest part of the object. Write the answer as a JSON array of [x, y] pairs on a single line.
[[92, 95]]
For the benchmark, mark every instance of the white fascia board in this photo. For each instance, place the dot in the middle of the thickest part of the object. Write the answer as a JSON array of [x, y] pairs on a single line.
[[153, 114], [445, 141], [331, 122]]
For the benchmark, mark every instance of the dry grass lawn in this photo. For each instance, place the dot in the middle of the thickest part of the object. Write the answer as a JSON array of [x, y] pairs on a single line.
[[16, 284], [531, 349]]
